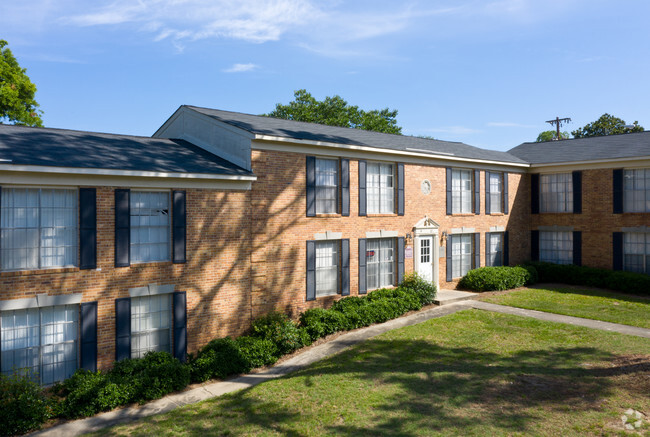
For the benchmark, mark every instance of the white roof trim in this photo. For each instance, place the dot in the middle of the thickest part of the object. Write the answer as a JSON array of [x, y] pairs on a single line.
[[632, 159]]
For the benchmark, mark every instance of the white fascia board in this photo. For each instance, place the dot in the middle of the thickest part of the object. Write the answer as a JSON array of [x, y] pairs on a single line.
[[267, 142], [630, 162]]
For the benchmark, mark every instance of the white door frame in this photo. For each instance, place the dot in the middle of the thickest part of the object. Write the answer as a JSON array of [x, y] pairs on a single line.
[[427, 228]]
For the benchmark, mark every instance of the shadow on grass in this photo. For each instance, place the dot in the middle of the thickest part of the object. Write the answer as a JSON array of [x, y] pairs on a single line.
[[419, 388], [585, 290]]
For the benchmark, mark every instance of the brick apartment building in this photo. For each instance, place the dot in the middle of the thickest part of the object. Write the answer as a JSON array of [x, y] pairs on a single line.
[[114, 245]]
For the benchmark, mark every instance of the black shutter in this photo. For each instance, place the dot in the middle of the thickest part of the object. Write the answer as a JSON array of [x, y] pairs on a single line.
[[506, 249], [505, 193], [400, 188], [345, 267], [617, 176], [362, 188], [618, 250], [122, 328], [180, 325], [534, 245], [179, 217], [477, 250], [477, 192], [363, 288], [487, 249], [345, 187], [87, 228], [311, 270], [88, 323], [400, 260], [488, 205], [122, 228], [449, 267], [577, 248], [534, 194], [311, 186], [577, 192], [449, 196]]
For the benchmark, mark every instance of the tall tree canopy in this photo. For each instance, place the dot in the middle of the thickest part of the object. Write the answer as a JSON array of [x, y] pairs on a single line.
[[335, 111], [17, 104], [606, 125], [551, 135]]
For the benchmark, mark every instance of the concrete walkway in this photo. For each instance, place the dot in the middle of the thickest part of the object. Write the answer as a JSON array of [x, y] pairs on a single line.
[[308, 357]]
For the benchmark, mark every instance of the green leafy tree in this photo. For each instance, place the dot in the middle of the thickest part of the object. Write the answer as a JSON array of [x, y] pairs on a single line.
[[17, 104], [335, 111], [606, 125], [551, 135]]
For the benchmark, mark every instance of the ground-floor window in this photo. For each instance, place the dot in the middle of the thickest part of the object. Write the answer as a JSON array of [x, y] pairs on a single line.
[[636, 252], [151, 321], [40, 342], [494, 249], [380, 262], [461, 254], [556, 247], [327, 267]]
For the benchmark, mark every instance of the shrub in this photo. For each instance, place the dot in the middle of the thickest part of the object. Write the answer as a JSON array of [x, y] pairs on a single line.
[[23, 406], [281, 330], [257, 351], [219, 358], [495, 278], [423, 289], [319, 322]]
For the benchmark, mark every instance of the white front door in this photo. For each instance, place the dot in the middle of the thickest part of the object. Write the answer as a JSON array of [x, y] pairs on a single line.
[[425, 258]]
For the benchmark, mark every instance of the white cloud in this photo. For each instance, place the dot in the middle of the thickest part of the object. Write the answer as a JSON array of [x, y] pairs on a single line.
[[509, 124], [240, 68], [456, 130]]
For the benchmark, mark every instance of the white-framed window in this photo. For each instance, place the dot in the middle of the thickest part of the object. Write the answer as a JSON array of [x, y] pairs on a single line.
[[556, 192], [636, 252], [150, 226], [494, 249], [38, 228], [151, 323], [496, 192], [556, 247], [40, 342], [461, 254], [327, 267], [636, 190], [461, 191], [380, 263], [327, 178], [380, 188]]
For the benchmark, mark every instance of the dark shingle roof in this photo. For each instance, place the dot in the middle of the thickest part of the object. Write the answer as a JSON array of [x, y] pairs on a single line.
[[20, 145], [297, 130], [585, 149]]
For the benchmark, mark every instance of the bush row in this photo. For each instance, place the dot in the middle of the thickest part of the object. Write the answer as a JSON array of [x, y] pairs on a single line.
[[24, 406], [498, 278]]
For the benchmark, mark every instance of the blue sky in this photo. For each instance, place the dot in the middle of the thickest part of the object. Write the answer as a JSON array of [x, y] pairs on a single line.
[[488, 73]]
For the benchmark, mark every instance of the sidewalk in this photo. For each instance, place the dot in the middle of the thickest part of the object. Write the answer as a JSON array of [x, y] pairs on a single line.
[[308, 357]]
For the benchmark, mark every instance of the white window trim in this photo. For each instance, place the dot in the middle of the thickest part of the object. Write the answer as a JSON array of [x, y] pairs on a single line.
[[382, 189], [336, 267], [169, 226], [380, 263], [472, 252], [457, 206], [336, 186]]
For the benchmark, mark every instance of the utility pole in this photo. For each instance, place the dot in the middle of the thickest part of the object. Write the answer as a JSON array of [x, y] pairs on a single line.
[[558, 123]]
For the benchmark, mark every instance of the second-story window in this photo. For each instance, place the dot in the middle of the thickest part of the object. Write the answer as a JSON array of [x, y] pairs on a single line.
[[461, 189], [327, 178], [150, 226], [636, 190], [381, 192], [556, 192], [496, 192]]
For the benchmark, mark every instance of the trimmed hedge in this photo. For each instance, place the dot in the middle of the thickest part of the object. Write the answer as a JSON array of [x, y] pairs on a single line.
[[627, 282], [496, 278], [281, 330], [23, 406]]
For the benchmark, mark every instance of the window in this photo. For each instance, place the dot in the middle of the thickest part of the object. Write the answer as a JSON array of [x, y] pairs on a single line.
[[636, 252], [150, 226], [461, 254], [38, 228], [636, 190], [380, 186], [151, 320], [494, 249], [327, 268], [461, 191], [556, 247], [40, 342], [556, 192], [327, 178], [380, 263], [496, 192]]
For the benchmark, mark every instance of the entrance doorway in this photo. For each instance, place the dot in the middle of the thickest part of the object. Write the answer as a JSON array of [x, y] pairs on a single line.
[[425, 266], [427, 249]]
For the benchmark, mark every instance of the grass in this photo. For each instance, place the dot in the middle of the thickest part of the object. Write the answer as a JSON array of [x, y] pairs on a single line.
[[588, 303], [470, 373]]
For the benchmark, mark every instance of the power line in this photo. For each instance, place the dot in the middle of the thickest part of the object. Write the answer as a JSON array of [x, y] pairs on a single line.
[[558, 123]]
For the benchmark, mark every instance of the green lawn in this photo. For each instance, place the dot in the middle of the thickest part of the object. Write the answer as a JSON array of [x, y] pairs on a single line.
[[590, 304], [470, 373]]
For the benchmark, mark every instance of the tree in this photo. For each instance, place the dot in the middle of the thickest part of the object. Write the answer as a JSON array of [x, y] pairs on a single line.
[[17, 102], [606, 125], [551, 135], [335, 111]]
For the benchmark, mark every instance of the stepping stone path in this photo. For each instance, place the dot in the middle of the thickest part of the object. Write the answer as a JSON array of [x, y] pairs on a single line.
[[633, 419]]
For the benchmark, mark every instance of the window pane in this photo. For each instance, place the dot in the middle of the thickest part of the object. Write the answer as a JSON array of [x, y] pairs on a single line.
[[556, 192], [327, 267], [380, 263], [150, 324], [636, 190], [150, 226], [326, 186], [461, 191], [380, 194], [556, 247]]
